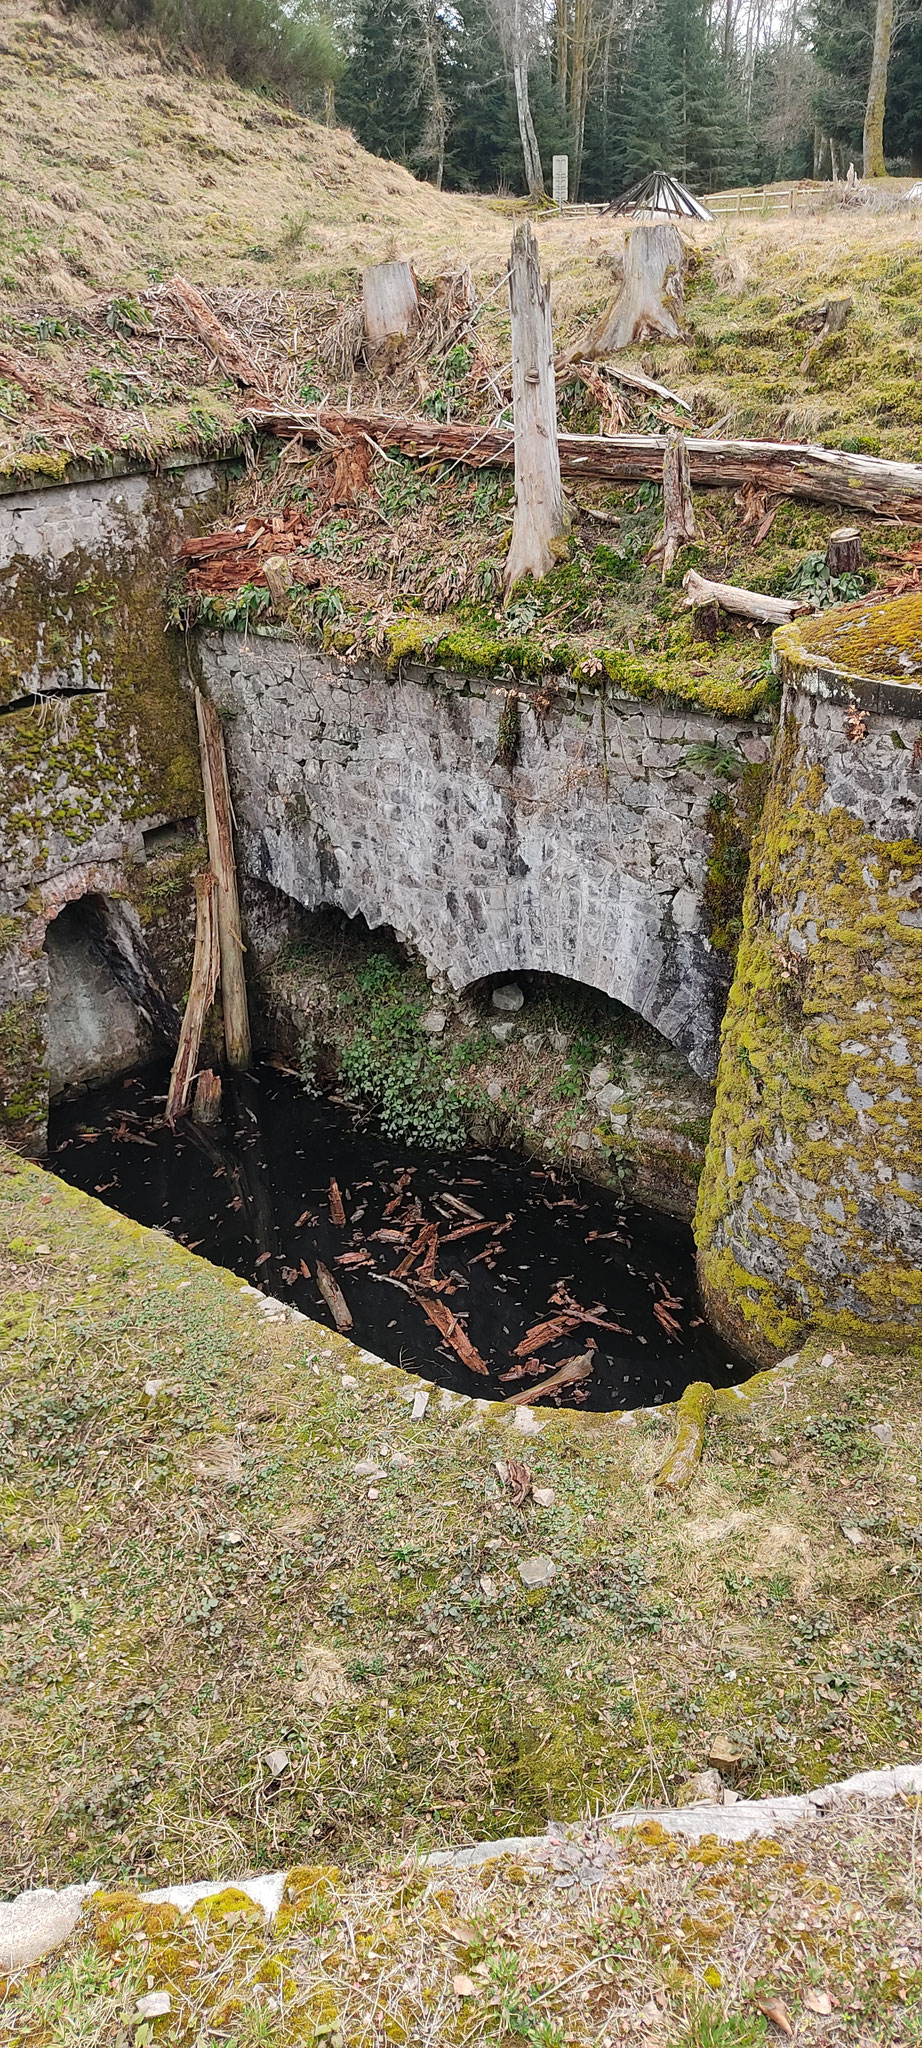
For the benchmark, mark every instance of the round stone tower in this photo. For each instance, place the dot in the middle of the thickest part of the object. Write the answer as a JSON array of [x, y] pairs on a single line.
[[810, 1208]]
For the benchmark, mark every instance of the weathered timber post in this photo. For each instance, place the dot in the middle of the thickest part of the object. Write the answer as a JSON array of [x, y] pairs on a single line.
[[540, 517], [390, 305], [810, 1204], [221, 856], [205, 967], [678, 507]]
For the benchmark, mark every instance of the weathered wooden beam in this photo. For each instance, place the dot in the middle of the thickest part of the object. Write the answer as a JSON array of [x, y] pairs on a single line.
[[540, 516], [205, 966], [829, 476], [221, 856]]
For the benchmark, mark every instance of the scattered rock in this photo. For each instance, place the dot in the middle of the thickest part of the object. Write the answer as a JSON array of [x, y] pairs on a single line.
[[464, 1987], [277, 1762], [509, 997], [37, 1922], [400, 1460], [433, 1023], [153, 1387], [368, 1468], [543, 1496], [153, 2006], [598, 1078], [348, 1381], [537, 1571], [420, 1404], [724, 1754], [581, 1141], [884, 1434], [503, 1032], [560, 1041], [231, 1537], [701, 1786], [853, 1534], [495, 1090], [607, 1097], [533, 1041], [488, 1587]]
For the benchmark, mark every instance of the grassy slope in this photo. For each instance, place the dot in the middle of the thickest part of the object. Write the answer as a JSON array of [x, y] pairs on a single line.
[[165, 1625]]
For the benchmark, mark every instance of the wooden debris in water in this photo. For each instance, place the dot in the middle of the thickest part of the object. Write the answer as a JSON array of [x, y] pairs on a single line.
[[451, 1330], [205, 966], [334, 1297], [206, 1100], [568, 1374]]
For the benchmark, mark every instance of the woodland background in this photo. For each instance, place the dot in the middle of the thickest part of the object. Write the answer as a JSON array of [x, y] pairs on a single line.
[[720, 92]]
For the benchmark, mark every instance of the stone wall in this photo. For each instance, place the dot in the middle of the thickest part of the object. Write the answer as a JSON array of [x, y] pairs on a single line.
[[582, 850], [97, 740], [810, 1208]]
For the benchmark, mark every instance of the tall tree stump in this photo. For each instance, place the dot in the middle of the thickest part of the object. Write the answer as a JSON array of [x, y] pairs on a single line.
[[652, 297], [540, 517], [390, 305]]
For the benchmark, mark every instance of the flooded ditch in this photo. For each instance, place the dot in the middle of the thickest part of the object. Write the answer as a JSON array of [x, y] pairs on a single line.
[[477, 1270]]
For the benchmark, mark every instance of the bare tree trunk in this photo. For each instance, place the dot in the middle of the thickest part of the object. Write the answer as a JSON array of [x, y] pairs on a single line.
[[534, 175], [651, 297], [205, 965], [745, 604], [540, 515], [221, 855], [678, 509], [874, 165]]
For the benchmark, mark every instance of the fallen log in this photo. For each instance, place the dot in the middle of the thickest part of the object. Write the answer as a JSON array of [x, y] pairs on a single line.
[[829, 476], [334, 1298], [230, 353], [744, 604], [205, 964]]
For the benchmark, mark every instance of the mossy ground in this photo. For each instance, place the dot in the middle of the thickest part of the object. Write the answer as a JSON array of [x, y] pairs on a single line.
[[195, 1573], [669, 1945], [346, 1003]]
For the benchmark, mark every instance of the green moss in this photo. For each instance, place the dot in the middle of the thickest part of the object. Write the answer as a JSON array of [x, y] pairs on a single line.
[[23, 1071], [733, 815], [692, 1412], [800, 1030]]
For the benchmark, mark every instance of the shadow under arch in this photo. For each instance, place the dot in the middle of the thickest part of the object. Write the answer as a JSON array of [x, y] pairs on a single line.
[[107, 1007]]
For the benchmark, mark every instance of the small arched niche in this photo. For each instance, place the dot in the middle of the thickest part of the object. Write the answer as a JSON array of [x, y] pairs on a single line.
[[95, 1027]]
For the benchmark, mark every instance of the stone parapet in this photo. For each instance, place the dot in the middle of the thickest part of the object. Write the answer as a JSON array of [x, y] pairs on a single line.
[[810, 1207]]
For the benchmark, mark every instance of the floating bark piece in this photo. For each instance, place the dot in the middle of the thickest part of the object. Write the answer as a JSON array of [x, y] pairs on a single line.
[[205, 966], [567, 1374], [206, 1100], [792, 469], [548, 1332], [334, 1298], [450, 1328], [427, 1238], [678, 509], [337, 1211], [540, 517], [221, 855], [390, 304], [230, 353], [463, 1208], [745, 604], [652, 296], [843, 551]]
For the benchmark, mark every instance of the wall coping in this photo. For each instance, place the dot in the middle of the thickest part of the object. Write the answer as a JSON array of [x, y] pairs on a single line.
[[851, 654]]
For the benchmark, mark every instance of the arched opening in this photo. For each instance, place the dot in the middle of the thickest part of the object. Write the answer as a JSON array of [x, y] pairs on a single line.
[[107, 1011]]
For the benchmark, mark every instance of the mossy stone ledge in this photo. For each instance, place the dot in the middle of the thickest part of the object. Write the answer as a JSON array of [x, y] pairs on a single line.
[[810, 1206]]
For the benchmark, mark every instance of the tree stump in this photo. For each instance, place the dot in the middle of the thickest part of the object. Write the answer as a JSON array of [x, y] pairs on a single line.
[[206, 1101], [650, 303], [390, 305], [540, 517], [678, 506], [843, 551], [277, 572]]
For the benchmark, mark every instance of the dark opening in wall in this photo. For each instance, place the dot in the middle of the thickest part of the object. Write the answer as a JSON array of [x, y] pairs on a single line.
[[173, 837], [95, 1030]]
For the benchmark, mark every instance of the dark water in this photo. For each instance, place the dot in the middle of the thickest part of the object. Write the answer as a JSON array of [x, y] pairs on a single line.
[[516, 1245]]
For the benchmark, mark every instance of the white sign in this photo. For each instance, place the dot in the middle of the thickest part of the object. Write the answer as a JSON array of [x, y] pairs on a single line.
[[560, 173]]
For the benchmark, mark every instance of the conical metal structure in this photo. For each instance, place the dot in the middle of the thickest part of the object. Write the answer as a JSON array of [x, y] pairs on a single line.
[[660, 194]]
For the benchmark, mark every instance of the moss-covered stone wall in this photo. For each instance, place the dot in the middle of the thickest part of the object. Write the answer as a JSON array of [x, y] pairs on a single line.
[[97, 738], [810, 1207]]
